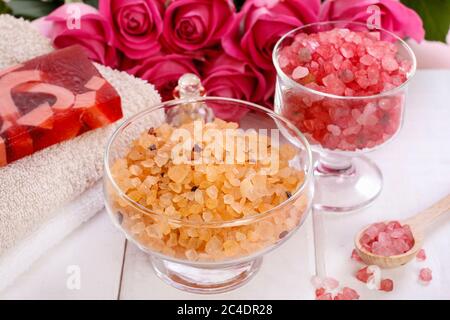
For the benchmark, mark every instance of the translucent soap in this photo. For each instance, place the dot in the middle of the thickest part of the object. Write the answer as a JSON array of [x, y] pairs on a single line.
[[50, 99]]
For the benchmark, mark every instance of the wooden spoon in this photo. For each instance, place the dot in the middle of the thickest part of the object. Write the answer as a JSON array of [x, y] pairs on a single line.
[[418, 225]]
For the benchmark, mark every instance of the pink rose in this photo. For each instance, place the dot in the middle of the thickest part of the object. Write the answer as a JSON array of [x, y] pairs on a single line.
[[91, 31], [164, 71], [232, 78], [261, 23], [191, 25], [394, 16], [137, 25]]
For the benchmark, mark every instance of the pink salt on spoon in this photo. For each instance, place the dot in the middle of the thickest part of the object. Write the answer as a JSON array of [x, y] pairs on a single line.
[[417, 224]]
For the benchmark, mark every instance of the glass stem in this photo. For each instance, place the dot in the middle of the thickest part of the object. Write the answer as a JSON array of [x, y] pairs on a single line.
[[331, 164]]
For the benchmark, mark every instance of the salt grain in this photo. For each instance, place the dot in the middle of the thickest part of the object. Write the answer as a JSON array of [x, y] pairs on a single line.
[[299, 73], [425, 275], [421, 255]]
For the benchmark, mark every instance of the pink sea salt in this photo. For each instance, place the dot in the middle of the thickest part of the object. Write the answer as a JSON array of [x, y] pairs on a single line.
[[389, 63], [344, 63], [326, 296], [355, 256], [363, 274], [386, 285], [347, 294], [320, 292], [299, 73], [331, 283], [421, 255], [387, 239], [425, 275], [317, 282]]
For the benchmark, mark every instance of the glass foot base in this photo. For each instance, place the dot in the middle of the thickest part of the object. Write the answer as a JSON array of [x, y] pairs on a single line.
[[349, 189], [205, 280]]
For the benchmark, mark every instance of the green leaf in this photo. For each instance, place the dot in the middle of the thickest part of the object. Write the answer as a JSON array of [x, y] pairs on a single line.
[[435, 15], [239, 4], [4, 8], [93, 3], [33, 9]]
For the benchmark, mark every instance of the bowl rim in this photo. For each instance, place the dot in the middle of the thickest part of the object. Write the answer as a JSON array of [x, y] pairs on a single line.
[[214, 224], [286, 78]]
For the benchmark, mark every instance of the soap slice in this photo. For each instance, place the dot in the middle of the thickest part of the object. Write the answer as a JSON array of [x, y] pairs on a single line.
[[50, 99]]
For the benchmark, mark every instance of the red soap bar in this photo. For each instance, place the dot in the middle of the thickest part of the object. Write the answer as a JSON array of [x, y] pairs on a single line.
[[50, 99]]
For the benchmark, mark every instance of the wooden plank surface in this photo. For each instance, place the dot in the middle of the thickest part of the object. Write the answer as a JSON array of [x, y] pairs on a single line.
[[284, 274], [94, 251]]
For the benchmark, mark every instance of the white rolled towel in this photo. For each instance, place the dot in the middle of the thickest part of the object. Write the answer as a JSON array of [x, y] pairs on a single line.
[[35, 187]]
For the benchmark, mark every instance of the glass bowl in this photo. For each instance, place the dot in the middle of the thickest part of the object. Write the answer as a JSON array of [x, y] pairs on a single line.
[[199, 255], [342, 127]]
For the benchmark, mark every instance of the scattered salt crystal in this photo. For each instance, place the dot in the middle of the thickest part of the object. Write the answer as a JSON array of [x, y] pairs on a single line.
[[299, 73], [317, 282], [355, 256], [363, 275], [347, 294], [421, 256], [425, 275], [350, 293], [319, 292], [386, 285], [326, 296], [330, 283]]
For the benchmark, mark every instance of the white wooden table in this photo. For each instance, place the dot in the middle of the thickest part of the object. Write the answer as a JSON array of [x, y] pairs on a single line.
[[416, 168]]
